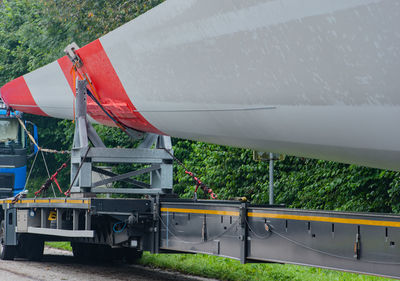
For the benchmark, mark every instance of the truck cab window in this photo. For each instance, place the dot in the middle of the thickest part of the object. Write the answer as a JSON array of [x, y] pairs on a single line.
[[10, 133]]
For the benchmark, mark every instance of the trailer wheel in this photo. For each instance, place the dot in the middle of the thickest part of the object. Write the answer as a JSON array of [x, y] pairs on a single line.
[[7, 252], [30, 247], [36, 250], [80, 251], [92, 252], [132, 255], [103, 253]]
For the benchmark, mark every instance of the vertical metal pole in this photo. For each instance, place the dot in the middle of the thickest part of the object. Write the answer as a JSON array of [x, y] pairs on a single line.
[[81, 112], [43, 218], [244, 233], [75, 219], [155, 248], [88, 221], [59, 218], [167, 230], [271, 178]]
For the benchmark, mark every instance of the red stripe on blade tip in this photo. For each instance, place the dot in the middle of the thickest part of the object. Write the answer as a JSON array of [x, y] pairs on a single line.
[[16, 94], [108, 87]]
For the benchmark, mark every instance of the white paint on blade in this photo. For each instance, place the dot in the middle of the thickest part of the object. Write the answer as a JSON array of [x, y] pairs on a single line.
[[233, 17], [253, 53], [330, 68], [349, 134], [51, 91]]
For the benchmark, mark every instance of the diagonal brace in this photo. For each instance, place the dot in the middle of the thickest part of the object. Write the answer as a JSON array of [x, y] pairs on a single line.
[[127, 175], [128, 180]]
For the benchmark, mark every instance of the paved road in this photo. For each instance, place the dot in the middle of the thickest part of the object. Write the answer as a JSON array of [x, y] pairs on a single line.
[[60, 265]]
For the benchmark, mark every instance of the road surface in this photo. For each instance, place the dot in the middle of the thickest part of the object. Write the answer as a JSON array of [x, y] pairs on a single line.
[[60, 265]]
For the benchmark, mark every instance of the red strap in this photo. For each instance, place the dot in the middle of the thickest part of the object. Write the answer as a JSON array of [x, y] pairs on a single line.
[[52, 178], [59, 188], [205, 188]]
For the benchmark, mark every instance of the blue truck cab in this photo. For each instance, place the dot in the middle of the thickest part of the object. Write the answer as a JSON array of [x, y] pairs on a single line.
[[13, 153]]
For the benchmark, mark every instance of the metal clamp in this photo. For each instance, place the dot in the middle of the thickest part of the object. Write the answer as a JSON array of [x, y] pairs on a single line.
[[70, 51]]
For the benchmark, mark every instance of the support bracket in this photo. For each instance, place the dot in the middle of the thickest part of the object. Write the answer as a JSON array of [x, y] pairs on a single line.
[[150, 154]]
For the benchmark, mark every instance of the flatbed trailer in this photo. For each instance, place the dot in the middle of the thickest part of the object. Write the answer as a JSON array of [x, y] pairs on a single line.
[[102, 228]]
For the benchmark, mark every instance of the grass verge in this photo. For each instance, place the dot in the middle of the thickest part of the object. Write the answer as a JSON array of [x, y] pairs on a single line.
[[60, 245], [232, 270]]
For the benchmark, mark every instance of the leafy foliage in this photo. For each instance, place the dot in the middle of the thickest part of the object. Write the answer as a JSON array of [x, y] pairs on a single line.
[[299, 182]]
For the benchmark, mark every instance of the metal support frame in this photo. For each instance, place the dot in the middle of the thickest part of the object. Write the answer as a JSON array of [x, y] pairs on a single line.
[[151, 153], [155, 229], [10, 227], [244, 233]]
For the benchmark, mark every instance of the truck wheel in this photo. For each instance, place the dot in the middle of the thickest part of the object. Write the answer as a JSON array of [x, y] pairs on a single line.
[[80, 251], [132, 255], [36, 250], [91, 252], [30, 247], [7, 252], [101, 253]]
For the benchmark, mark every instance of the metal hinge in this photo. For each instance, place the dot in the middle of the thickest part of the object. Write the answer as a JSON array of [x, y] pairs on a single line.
[[70, 51]]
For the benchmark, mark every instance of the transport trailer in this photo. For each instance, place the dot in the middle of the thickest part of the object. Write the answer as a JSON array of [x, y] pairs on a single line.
[[107, 229], [197, 96]]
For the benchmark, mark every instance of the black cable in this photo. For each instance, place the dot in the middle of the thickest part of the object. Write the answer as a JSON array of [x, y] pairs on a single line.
[[109, 114]]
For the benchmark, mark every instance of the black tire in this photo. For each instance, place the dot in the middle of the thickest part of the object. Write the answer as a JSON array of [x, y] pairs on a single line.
[[103, 253], [7, 252], [30, 247], [36, 250], [80, 251], [132, 255], [92, 252]]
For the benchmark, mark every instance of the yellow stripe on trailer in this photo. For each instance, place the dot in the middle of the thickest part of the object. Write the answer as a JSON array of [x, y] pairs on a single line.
[[38, 201], [200, 211], [52, 201], [78, 201], [287, 216], [27, 201], [325, 219]]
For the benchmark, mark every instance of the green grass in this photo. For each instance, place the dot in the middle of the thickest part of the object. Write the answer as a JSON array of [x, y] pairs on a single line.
[[232, 270], [228, 269], [60, 245]]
